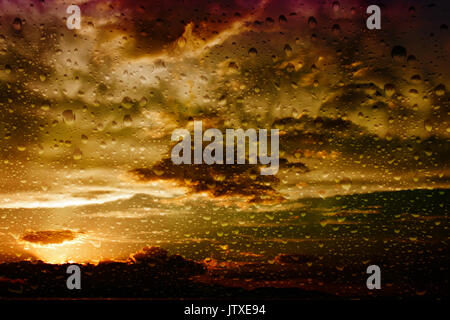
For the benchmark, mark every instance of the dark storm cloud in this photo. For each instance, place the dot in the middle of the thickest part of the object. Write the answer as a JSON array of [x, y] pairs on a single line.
[[155, 25], [321, 125], [216, 180], [321, 136], [219, 180]]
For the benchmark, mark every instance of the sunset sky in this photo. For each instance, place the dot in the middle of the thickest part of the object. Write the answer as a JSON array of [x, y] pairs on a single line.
[[86, 118]]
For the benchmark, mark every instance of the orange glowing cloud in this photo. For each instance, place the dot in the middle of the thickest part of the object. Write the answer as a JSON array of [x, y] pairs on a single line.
[[48, 236]]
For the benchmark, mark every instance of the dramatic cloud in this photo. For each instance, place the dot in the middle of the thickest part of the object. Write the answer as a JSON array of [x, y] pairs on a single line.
[[219, 180], [216, 180], [49, 236]]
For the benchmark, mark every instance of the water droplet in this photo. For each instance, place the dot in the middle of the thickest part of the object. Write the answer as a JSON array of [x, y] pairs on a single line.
[[411, 59], [346, 184], [127, 121], [336, 29], [100, 126], [77, 154], [389, 89], [143, 102], [428, 125], [68, 116], [290, 67], [127, 102], [440, 90], [336, 5], [233, 66], [269, 21], [416, 78], [252, 52], [84, 138], [287, 50], [312, 22], [398, 53], [413, 92], [159, 65], [17, 24]]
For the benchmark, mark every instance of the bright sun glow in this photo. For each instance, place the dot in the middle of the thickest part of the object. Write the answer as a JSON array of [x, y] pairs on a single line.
[[58, 253]]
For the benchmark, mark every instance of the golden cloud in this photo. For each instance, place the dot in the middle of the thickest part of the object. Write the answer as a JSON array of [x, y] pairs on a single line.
[[48, 236]]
